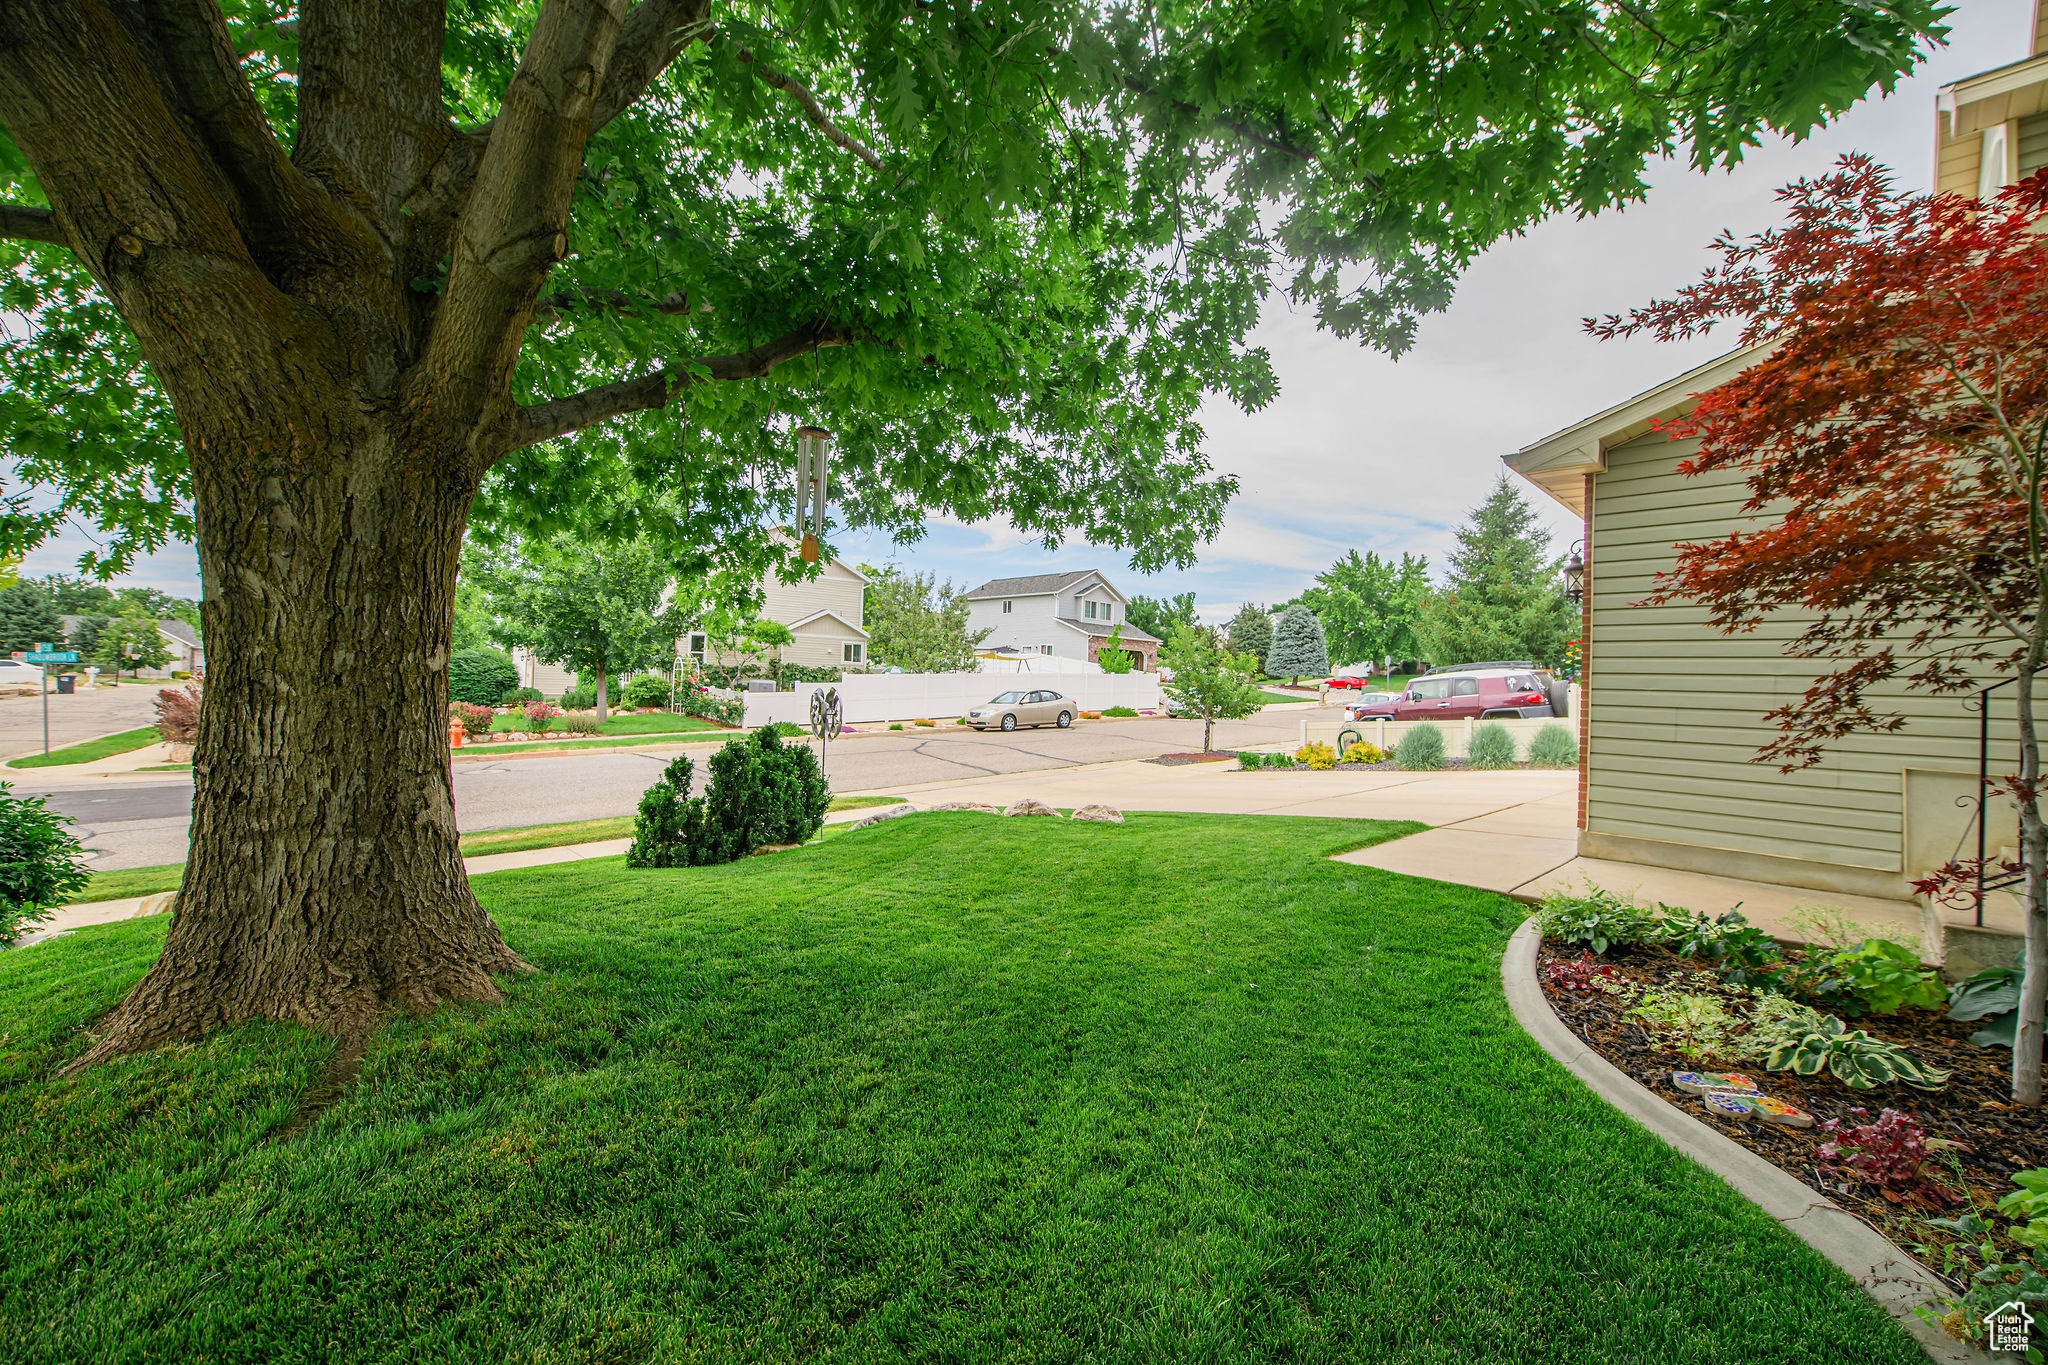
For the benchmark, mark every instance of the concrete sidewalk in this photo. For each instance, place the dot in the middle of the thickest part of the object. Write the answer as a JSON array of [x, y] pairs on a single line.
[[1531, 849]]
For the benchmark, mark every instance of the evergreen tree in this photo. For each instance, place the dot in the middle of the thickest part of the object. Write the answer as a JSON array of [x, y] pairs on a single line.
[[74, 596], [1251, 632], [28, 617], [1298, 645], [1504, 598]]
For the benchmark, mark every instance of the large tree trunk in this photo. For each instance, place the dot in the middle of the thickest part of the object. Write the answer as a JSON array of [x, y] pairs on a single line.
[[324, 883], [600, 692]]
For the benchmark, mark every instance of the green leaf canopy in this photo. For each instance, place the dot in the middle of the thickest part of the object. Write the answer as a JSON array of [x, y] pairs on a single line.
[[1001, 249]]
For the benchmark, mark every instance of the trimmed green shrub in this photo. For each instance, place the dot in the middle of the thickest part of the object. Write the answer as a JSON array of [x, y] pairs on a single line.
[[519, 696], [1555, 746], [1120, 712], [1421, 749], [647, 690], [1247, 761], [480, 676], [581, 697], [1492, 747], [41, 863], [760, 791]]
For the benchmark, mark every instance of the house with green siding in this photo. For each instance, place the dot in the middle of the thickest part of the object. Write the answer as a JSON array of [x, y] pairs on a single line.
[[1672, 711]]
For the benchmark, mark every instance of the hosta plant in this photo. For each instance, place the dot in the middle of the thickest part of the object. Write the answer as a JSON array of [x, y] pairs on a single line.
[[1851, 1056], [1599, 919], [2027, 1206], [1885, 977]]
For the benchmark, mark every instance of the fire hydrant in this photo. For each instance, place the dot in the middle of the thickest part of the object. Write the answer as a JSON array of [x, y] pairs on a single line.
[[454, 733]]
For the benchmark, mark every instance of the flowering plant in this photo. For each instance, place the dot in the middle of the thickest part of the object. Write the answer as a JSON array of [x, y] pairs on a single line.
[[475, 720], [540, 715], [1888, 1153]]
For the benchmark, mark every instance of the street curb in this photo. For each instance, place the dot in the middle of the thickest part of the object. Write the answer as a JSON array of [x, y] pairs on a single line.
[[1891, 1277]]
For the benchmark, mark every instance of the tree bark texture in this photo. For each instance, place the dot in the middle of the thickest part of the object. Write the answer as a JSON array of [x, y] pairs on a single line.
[[338, 422]]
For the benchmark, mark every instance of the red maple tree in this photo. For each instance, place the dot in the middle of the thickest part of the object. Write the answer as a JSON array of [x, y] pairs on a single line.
[[1893, 433]]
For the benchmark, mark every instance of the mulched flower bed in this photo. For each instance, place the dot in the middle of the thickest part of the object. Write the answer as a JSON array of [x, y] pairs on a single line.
[[1973, 1109], [1175, 760]]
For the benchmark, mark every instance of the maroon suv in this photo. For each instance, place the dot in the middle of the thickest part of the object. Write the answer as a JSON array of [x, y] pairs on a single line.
[[1484, 691]]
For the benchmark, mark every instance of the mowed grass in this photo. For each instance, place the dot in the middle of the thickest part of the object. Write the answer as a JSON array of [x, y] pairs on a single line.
[[147, 881], [106, 746], [954, 1088]]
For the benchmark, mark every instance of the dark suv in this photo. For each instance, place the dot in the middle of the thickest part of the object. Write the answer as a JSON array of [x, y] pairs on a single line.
[[1493, 691]]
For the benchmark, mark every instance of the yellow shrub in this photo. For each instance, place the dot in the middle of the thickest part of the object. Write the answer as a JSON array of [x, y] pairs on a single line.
[[1317, 756], [1365, 753], [924, 722]]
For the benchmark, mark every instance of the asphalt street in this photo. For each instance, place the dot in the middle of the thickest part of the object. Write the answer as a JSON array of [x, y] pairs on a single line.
[[139, 819], [84, 715]]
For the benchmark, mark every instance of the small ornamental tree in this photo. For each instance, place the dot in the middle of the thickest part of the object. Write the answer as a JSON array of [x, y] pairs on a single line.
[[1112, 656], [1208, 679], [1298, 645], [596, 609], [1895, 443], [1251, 632], [133, 643]]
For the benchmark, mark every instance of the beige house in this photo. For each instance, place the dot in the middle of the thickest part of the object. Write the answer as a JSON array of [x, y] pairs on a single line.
[[1673, 710], [826, 615]]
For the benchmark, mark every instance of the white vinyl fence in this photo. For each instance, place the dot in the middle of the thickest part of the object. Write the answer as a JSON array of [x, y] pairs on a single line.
[[942, 696]]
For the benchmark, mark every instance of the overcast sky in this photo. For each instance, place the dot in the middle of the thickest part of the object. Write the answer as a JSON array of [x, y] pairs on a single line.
[[1367, 453]]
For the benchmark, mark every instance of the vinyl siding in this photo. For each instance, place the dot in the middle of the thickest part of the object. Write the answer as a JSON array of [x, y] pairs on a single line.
[[835, 590], [1675, 708], [2033, 144]]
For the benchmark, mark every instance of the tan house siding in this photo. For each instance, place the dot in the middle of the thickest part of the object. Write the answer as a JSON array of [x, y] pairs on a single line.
[[838, 590], [1675, 709]]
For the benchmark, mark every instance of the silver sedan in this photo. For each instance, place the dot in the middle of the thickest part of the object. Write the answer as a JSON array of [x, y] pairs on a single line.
[[1013, 709]]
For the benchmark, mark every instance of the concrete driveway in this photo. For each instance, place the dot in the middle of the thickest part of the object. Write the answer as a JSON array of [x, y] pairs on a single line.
[[84, 715]]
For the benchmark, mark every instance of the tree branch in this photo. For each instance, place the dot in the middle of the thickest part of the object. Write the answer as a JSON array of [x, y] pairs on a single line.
[[566, 301], [560, 416], [649, 40], [812, 111], [514, 225], [371, 123], [199, 68], [23, 224]]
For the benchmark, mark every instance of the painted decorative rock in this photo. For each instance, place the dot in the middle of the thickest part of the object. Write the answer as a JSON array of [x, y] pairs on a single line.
[[1777, 1111], [1725, 1102], [1706, 1082]]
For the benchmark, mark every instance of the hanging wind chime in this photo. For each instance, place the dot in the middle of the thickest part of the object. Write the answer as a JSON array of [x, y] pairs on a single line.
[[813, 459]]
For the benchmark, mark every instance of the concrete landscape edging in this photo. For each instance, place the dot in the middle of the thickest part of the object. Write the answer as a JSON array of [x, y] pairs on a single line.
[[1894, 1279]]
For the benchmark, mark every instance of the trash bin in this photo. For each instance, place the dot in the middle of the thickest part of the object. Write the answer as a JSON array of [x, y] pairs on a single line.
[[64, 684]]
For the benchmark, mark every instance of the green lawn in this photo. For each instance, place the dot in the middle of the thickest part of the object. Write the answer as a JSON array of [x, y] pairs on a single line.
[[147, 881], [953, 1088], [106, 746], [1273, 697]]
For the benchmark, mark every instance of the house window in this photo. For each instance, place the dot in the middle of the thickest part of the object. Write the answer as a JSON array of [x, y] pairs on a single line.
[[696, 650], [1088, 610], [1006, 608], [1045, 649], [849, 653]]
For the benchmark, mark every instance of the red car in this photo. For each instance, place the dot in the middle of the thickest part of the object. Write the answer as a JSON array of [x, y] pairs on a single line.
[[1358, 676], [1485, 691]]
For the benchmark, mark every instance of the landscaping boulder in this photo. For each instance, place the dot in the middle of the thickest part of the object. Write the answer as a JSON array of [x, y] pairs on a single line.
[[1031, 806], [1108, 815], [163, 903], [982, 806], [886, 813]]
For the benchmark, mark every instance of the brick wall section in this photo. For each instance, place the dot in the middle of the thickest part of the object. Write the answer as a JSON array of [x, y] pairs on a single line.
[[1586, 653]]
